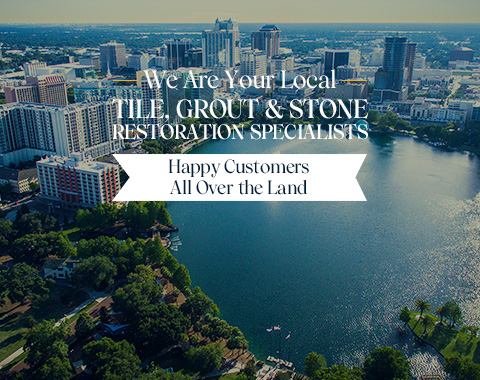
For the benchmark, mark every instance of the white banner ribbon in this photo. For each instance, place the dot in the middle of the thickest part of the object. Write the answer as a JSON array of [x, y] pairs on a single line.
[[241, 177]]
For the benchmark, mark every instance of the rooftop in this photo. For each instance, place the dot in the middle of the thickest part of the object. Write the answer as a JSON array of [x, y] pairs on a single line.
[[17, 175]]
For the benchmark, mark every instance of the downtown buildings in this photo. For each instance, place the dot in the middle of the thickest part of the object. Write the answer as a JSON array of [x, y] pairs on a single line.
[[28, 130], [44, 89]]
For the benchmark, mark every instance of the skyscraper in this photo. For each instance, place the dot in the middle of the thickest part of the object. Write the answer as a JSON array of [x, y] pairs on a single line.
[[221, 46], [410, 60], [389, 79], [112, 56], [177, 53], [267, 39]]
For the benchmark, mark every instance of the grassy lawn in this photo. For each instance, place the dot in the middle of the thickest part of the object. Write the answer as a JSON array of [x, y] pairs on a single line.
[[85, 309], [13, 317], [449, 341], [73, 233], [12, 328], [228, 376]]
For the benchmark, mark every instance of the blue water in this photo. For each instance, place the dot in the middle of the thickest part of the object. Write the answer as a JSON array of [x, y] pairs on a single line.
[[335, 274]]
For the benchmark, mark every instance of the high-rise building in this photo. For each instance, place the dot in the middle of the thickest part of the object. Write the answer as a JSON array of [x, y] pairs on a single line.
[[461, 54], [221, 46], [28, 130], [177, 53], [267, 39], [254, 62], [389, 79], [76, 182], [44, 89], [336, 58], [410, 61], [112, 56]]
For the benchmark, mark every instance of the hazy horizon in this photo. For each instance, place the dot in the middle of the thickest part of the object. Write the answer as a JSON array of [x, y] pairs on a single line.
[[248, 11]]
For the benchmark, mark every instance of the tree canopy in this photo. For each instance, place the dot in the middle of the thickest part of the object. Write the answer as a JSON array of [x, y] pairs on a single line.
[[385, 363], [313, 363], [109, 360], [205, 359]]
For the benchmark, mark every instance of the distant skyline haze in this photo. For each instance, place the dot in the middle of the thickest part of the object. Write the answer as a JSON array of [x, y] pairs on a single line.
[[245, 11]]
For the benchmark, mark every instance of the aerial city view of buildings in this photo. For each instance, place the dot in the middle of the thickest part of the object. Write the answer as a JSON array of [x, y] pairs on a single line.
[[57, 146]]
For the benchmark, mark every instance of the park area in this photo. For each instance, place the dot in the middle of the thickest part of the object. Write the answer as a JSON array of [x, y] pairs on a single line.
[[446, 339]]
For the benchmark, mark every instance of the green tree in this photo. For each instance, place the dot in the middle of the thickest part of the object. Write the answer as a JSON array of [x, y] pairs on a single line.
[[442, 312], [34, 186], [426, 321], [35, 248], [385, 363], [373, 116], [55, 368], [453, 312], [96, 272], [405, 315], [136, 296], [250, 369], [159, 326], [160, 374], [205, 359], [470, 330], [313, 363], [181, 277], [422, 306], [84, 325], [7, 234], [109, 360], [103, 246], [462, 369], [45, 341], [338, 372], [22, 282], [155, 251], [199, 305], [238, 342]]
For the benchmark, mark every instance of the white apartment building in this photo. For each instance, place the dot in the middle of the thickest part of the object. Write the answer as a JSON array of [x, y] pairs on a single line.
[[27, 130], [254, 62], [76, 182]]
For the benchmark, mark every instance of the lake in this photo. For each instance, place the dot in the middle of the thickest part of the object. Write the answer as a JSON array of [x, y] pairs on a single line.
[[336, 274]]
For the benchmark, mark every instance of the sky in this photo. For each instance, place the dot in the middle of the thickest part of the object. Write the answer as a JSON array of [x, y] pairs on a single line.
[[244, 11]]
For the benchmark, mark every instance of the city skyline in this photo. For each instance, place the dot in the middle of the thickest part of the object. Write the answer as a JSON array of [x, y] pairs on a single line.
[[148, 11]]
